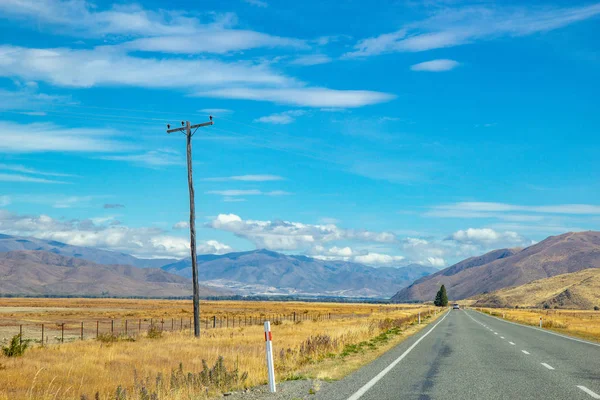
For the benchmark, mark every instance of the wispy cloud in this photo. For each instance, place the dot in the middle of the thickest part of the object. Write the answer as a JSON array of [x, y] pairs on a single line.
[[435, 65], [32, 171], [311, 59], [113, 205], [246, 178], [4, 201], [151, 159], [283, 118], [249, 192], [489, 209], [216, 111], [467, 24], [257, 3], [305, 96], [47, 137]]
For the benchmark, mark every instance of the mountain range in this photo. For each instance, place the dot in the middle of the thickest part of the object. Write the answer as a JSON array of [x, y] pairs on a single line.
[[31, 272], [258, 272], [556, 255], [11, 243], [268, 272]]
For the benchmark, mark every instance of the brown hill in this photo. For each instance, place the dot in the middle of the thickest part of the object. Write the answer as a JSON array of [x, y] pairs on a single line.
[[570, 252], [46, 273], [578, 290]]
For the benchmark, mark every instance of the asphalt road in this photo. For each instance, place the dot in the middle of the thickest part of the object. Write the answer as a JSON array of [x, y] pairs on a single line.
[[470, 355]]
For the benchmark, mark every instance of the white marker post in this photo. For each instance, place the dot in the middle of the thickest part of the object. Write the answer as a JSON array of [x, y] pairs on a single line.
[[270, 366], [540, 322], [419, 318]]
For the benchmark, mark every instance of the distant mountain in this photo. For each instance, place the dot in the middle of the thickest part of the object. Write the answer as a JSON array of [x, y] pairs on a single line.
[[499, 269], [267, 272], [578, 290], [46, 273], [12, 243]]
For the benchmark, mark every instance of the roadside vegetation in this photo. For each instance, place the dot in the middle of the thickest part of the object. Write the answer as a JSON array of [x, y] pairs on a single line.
[[174, 365], [580, 323]]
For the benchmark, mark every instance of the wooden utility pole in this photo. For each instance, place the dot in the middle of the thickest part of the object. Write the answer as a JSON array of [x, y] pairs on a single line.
[[186, 129]]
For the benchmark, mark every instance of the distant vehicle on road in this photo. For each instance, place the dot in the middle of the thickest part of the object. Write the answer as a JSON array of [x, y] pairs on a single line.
[[455, 306]]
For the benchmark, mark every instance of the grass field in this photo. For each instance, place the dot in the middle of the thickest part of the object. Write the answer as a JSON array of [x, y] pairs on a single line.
[[140, 365], [583, 324]]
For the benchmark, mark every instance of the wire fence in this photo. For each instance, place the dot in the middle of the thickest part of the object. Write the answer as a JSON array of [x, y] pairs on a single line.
[[57, 332]]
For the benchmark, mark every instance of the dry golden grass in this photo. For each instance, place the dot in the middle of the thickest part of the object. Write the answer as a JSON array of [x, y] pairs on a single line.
[[321, 347], [583, 324]]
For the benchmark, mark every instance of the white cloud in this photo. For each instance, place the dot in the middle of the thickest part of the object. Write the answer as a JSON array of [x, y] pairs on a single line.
[[181, 225], [142, 242], [348, 254], [216, 111], [108, 66], [286, 235], [248, 192], [283, 118], [463, 25], [44, 137], [4, 201], [27, 98], [31, 171], [303, 96], [495, 210], [435, 65], [437, 262], [311, 59], [27, 179], [377, 259], [246, 178], [152, 158], [488, 237], [217, 41], [257, 3]]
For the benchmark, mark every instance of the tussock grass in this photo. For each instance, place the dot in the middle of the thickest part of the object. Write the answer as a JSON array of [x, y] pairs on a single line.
[[177, 366]]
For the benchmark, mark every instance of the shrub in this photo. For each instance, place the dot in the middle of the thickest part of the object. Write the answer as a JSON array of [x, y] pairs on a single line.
[[16, 347], [154, 332], [112, 338], [546, 306], [596, 308]]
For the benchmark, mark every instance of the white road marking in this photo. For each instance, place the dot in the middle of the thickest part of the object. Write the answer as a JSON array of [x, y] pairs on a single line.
[[525, 351], [550, 367], [380, 375], [542, 330], [511, 343], [495, 333], [501, 337], [588, 391]]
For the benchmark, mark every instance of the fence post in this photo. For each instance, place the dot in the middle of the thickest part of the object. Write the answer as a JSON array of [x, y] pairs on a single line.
[[112, 326], [139, 326], [294, 316], [269, 349], [126, 331], [181, 324], [214, 321], [42, 335], [20, 334], [62, 332], [97, 328], [81, 330], [162, 324]]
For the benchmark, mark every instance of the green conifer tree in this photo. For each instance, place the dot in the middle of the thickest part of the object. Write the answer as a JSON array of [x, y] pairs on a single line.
[[444, 296]]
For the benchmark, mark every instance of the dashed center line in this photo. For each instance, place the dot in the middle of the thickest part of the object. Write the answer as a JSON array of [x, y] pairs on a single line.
[[550, 367], [501, 337], [525, 352], [495, 333], [588, 391], [511, 343]]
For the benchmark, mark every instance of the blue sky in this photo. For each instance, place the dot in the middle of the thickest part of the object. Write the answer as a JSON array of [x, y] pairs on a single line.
[[395, 133]]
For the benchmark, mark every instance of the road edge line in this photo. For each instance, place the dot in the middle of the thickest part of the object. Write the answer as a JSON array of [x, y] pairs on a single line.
[[539, 330], [358, 394]]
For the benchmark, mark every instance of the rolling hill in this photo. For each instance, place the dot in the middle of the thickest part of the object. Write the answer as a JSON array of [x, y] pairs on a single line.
[[579, 290], [268, 272], [99, 256], [45, 273], [570, 252]]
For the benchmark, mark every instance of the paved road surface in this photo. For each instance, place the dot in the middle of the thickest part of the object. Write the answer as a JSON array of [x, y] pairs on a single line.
[[469, 355]]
